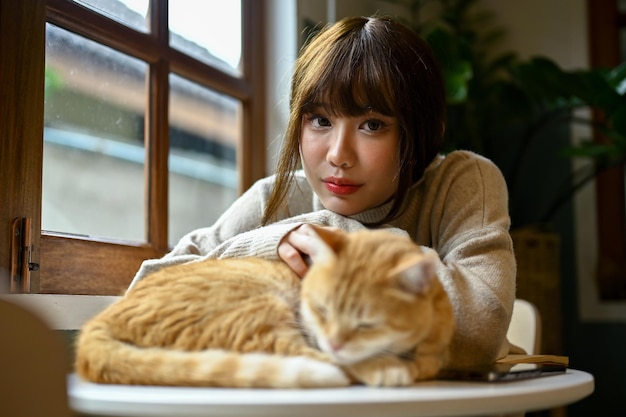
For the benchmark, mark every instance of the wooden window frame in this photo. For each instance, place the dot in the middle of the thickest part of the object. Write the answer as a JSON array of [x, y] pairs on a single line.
[[73, 265], [605, 21]]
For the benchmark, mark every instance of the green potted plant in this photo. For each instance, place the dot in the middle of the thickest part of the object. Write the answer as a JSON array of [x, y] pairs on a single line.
[[500, 101], [504, 108]]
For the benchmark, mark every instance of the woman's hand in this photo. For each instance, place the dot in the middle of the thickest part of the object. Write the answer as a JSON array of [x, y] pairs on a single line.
[[297, 248], [294, 249]]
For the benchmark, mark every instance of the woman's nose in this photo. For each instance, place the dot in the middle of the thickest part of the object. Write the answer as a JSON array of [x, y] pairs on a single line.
[[340, 151]]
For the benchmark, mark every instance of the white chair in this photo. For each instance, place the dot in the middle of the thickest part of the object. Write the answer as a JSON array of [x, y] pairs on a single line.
[[525, 330], [525, 327]]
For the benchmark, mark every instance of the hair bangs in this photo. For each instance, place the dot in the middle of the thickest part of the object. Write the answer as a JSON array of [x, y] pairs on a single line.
[[352, 83]]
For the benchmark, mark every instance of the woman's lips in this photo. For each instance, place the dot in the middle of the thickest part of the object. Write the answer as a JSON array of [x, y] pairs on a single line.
[[340, 187]]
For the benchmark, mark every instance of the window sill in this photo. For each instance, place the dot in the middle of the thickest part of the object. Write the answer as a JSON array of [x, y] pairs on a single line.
[[62, 312]]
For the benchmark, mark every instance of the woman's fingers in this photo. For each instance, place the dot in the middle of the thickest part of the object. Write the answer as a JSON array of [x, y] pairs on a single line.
[[292, 257], [299, 246]]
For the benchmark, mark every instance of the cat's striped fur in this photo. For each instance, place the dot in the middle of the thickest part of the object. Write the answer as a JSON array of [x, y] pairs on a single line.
[[369, 310]]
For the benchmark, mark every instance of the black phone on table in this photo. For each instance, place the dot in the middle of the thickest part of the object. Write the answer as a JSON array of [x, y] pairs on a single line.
[[498, 372]]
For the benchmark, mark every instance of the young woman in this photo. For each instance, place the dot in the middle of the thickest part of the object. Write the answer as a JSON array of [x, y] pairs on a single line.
[[366, 126]]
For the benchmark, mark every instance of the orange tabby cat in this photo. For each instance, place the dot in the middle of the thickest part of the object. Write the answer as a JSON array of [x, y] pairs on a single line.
[[370, 310]]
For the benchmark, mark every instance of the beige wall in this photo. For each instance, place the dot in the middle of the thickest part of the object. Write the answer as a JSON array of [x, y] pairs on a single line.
[[555, 28]]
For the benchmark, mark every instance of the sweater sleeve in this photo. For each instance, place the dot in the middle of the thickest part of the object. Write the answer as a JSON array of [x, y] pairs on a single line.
[[478, 266], [263, 242], [238, 232]]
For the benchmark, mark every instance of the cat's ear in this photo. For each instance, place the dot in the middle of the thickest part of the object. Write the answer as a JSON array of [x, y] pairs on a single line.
[[325, 242], [417, 272]]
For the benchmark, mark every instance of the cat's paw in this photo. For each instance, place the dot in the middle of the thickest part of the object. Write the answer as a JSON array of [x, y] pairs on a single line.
[[313, 373], [388, 375]]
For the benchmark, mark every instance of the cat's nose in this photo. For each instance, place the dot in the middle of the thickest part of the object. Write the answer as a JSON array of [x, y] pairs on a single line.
[[335, 345]]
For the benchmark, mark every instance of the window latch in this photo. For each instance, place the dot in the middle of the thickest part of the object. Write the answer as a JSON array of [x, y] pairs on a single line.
[[21, 252]]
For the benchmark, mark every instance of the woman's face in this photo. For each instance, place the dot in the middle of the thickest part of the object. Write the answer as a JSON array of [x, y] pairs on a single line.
[[352, 163]]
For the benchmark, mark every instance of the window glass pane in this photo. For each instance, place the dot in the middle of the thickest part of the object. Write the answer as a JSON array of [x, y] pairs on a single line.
[[133, 13], [210, 31], [205, 128], [93, 139]]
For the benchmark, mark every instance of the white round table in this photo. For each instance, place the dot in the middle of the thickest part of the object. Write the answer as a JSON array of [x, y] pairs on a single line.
[[432, 398]]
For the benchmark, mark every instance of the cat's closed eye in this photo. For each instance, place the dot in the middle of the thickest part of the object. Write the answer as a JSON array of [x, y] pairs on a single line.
[[320, 310], [366, 326]]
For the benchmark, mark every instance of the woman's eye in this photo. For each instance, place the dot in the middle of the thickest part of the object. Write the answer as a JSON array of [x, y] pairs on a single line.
[[323, 122], [373, 125], [318, 121]]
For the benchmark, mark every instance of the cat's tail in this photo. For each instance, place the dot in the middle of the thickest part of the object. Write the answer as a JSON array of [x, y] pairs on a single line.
[[103, 359]]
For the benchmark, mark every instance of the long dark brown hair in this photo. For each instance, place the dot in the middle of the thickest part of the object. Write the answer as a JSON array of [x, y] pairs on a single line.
[[360, 64]]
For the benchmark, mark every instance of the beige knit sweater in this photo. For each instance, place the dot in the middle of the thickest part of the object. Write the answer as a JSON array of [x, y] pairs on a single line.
[[459, 209]]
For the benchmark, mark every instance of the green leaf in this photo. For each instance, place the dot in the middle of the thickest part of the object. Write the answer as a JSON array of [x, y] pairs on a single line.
[[456, 67], [588, 149], [617, 78], [617, 120], [456, 80]]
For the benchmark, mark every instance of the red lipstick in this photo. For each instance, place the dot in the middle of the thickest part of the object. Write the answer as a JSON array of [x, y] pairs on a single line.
[[340, 186]]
